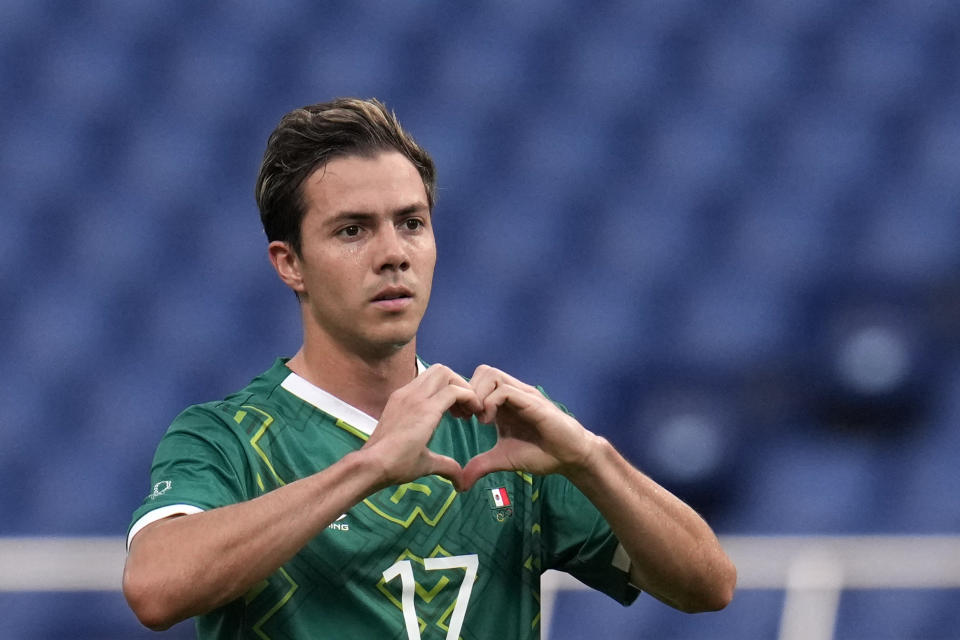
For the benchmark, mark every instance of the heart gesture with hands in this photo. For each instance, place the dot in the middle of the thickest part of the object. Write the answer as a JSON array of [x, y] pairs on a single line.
[[412, 413], [534, 435]]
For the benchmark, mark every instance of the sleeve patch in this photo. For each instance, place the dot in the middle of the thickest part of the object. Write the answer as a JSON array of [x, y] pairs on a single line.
[[620, 559]]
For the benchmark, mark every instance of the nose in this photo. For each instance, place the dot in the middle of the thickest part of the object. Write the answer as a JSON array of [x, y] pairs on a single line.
[[392, 253]]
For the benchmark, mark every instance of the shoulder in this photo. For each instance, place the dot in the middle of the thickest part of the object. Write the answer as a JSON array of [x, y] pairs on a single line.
[[253, 404]]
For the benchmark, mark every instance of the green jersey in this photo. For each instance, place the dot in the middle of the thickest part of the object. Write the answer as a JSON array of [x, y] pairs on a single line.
[[412, 561]]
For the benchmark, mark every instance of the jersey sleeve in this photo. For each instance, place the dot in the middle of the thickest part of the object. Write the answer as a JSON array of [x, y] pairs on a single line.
[[578, 540], [198, 465]]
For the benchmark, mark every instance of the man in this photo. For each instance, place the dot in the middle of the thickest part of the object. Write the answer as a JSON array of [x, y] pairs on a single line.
[[354, 492]]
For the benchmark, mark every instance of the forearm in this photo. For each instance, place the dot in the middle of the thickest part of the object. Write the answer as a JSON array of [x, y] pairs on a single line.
[[674, 554], [184, 566]]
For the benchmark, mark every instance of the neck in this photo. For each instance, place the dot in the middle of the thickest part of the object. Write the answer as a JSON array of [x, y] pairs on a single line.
[[364, 382]]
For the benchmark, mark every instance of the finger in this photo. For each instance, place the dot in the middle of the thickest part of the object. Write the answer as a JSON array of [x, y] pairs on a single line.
[[458, 400], [493, 460], [462, 409], [435, 378], [463, 412], [446, 467], [485, 373], [505, 393], [486, 378]]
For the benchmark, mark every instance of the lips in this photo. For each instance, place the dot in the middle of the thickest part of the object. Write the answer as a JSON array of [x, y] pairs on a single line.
[[393, 299], [392, 293]]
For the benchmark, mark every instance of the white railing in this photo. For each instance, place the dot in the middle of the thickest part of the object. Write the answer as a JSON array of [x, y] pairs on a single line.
[[812, 570]]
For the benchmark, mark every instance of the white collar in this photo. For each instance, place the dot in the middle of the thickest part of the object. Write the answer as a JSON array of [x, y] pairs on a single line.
[[332, 405]]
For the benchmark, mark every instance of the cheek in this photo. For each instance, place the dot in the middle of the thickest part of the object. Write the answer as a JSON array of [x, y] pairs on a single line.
[[428, 278], [335, 279], [431, 260], [429, 253]]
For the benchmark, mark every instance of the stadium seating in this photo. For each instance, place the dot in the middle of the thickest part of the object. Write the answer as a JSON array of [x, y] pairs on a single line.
[[677, 217]]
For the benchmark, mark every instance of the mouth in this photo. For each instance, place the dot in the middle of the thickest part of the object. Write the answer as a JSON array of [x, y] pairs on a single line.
[[393, 299], [392, 293]]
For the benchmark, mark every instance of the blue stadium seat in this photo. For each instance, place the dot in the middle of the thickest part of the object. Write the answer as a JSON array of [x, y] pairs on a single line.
[[93, 615], [910, 237], [922, 475], [783, 230], [733, 319], [810, 483], [631, 195], [584, 614], [898, 614]]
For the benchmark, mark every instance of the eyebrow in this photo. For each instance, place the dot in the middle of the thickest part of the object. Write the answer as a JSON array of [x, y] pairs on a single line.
[[366, 216]]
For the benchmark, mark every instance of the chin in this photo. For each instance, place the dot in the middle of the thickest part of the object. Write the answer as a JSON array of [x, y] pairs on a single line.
[[400, 342], [388, 345], [386, 338]]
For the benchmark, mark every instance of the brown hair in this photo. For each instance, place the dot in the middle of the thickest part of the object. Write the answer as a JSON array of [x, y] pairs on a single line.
[[309, 137]]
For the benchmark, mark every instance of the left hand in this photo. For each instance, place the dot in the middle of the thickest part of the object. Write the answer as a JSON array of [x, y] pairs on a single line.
[[533, 434], [674, 554]]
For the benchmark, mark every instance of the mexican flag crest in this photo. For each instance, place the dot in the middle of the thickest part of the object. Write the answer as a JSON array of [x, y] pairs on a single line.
[[500, 505], [499, 498]]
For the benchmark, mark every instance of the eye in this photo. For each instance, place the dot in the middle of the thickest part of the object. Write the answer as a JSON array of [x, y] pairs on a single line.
[[413, 224], [351, 231]]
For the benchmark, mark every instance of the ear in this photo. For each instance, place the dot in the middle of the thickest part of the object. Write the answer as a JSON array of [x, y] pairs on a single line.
[[288, 265]]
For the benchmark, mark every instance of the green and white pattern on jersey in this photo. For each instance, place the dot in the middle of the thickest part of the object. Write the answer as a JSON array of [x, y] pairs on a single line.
[[417, 560]]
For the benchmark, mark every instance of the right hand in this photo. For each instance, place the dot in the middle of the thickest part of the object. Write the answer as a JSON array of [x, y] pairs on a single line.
[[398, 445]]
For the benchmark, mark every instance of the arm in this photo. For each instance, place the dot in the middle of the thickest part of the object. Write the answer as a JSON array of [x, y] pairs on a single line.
[[188, 565], [674, 554], [183, 566]]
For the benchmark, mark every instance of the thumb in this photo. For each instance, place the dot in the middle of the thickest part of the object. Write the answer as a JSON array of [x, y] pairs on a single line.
[[487, 462], [446, 467]]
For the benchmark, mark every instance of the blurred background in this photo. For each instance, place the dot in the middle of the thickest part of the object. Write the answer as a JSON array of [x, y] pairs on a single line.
[[725, 235]]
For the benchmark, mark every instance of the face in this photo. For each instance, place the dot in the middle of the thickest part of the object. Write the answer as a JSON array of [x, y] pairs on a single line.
[[367, 253]]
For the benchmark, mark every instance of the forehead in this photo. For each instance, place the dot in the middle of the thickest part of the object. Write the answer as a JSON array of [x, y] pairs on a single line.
[[379, 183]]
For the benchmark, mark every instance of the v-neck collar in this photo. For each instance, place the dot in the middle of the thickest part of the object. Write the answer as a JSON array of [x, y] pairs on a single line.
[[332, 405]]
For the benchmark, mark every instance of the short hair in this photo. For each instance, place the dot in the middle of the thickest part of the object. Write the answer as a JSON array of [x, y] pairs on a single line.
[[306, 139]]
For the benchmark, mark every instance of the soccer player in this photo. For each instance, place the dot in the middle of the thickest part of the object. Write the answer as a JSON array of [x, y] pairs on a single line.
[[352, 490]]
